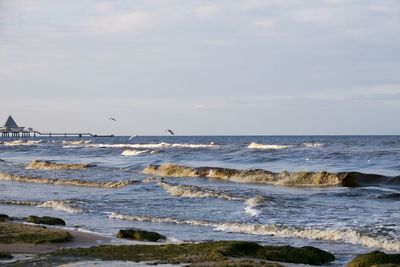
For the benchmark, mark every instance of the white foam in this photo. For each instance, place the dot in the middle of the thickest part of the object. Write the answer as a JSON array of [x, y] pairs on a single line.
[[252, 204], [267, 146], [132, 152], [313, 145], [341, 235], [69, 182], [192, 191], [62, 205], [162, 145], [79, 142], [22, 143]]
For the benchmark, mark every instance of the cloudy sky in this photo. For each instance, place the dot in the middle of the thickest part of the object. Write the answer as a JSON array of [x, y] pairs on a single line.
[[202, 67]]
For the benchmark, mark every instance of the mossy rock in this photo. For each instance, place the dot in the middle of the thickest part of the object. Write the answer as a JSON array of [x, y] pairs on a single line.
[[4, 217], [387, 265], [375, 258], [21, 233], [140, 235], [217, 251], [5, 256], [45, 220]]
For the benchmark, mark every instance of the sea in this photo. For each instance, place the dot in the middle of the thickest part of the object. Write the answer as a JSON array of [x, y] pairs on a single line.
[[337, 193]]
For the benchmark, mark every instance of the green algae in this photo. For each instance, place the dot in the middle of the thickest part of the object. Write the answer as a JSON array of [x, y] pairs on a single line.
[[140, 235], [202, 252], [20, 233], [375, 258]]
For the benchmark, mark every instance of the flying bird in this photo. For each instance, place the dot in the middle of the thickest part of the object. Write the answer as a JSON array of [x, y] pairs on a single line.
[[170, 131], [133, 136], [112, 119]]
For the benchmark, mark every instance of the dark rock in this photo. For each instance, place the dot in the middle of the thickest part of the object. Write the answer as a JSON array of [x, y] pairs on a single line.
[[4, 217], [375, 258], [5, 255], [140, 235], [45, 220]]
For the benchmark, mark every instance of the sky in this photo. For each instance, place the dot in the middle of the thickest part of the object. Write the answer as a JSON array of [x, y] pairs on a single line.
[[227, 67]]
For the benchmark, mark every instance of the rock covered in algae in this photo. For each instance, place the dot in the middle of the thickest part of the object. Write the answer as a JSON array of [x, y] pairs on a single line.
[[22, 233], [4, 217], [140, 235], [216, 252], [5, 255], [45, 220], [375, 259]]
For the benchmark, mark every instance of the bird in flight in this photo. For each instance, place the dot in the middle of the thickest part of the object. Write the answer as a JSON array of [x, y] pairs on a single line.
[[112, 119], [170, 131]]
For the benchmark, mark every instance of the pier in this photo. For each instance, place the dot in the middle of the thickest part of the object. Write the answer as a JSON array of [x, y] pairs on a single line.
[[12, 130]]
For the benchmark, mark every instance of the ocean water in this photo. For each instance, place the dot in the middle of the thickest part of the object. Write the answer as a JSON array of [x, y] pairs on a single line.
[[297, 190]]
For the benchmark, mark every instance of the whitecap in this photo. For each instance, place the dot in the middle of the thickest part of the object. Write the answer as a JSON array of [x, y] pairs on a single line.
[[267, 146], [78, 142], [313, 145], [132, 152], [69, 182], [62, 205], [339, 234], [162, 145], [22, 143]]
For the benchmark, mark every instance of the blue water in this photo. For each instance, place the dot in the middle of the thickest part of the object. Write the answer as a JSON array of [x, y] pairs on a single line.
[[345, 221]]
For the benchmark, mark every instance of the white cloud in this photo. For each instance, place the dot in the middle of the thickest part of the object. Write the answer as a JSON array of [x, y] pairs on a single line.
[[266, 23], [200, 106], [206, 11], [128, 22], [315, 14]]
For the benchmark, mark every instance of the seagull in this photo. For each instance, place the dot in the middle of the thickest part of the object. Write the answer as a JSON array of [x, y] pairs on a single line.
[[170, 131], [133, 136], [112, 119]]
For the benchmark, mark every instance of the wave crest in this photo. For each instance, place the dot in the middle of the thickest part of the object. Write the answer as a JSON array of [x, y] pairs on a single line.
[[22, 143], [71, 182], [254, 145], [342, 235], [48, 165], [195, 191], [79, 142], [132, 152], [162, 145], [315, 145], [62, 205], [248, 176], [192, 191]]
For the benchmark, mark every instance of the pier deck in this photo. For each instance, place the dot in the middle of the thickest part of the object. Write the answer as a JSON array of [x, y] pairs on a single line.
[[28, 134]]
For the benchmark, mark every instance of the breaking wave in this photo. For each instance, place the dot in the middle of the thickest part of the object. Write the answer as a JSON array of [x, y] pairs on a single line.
[[248, 176], [48, 165], [342, 235], [21, 143], [252, 204], [267, 146], [62, 205], [192, 191], [162, 145], [71, 182], [131, 152], [313, 144], [79, 142]]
